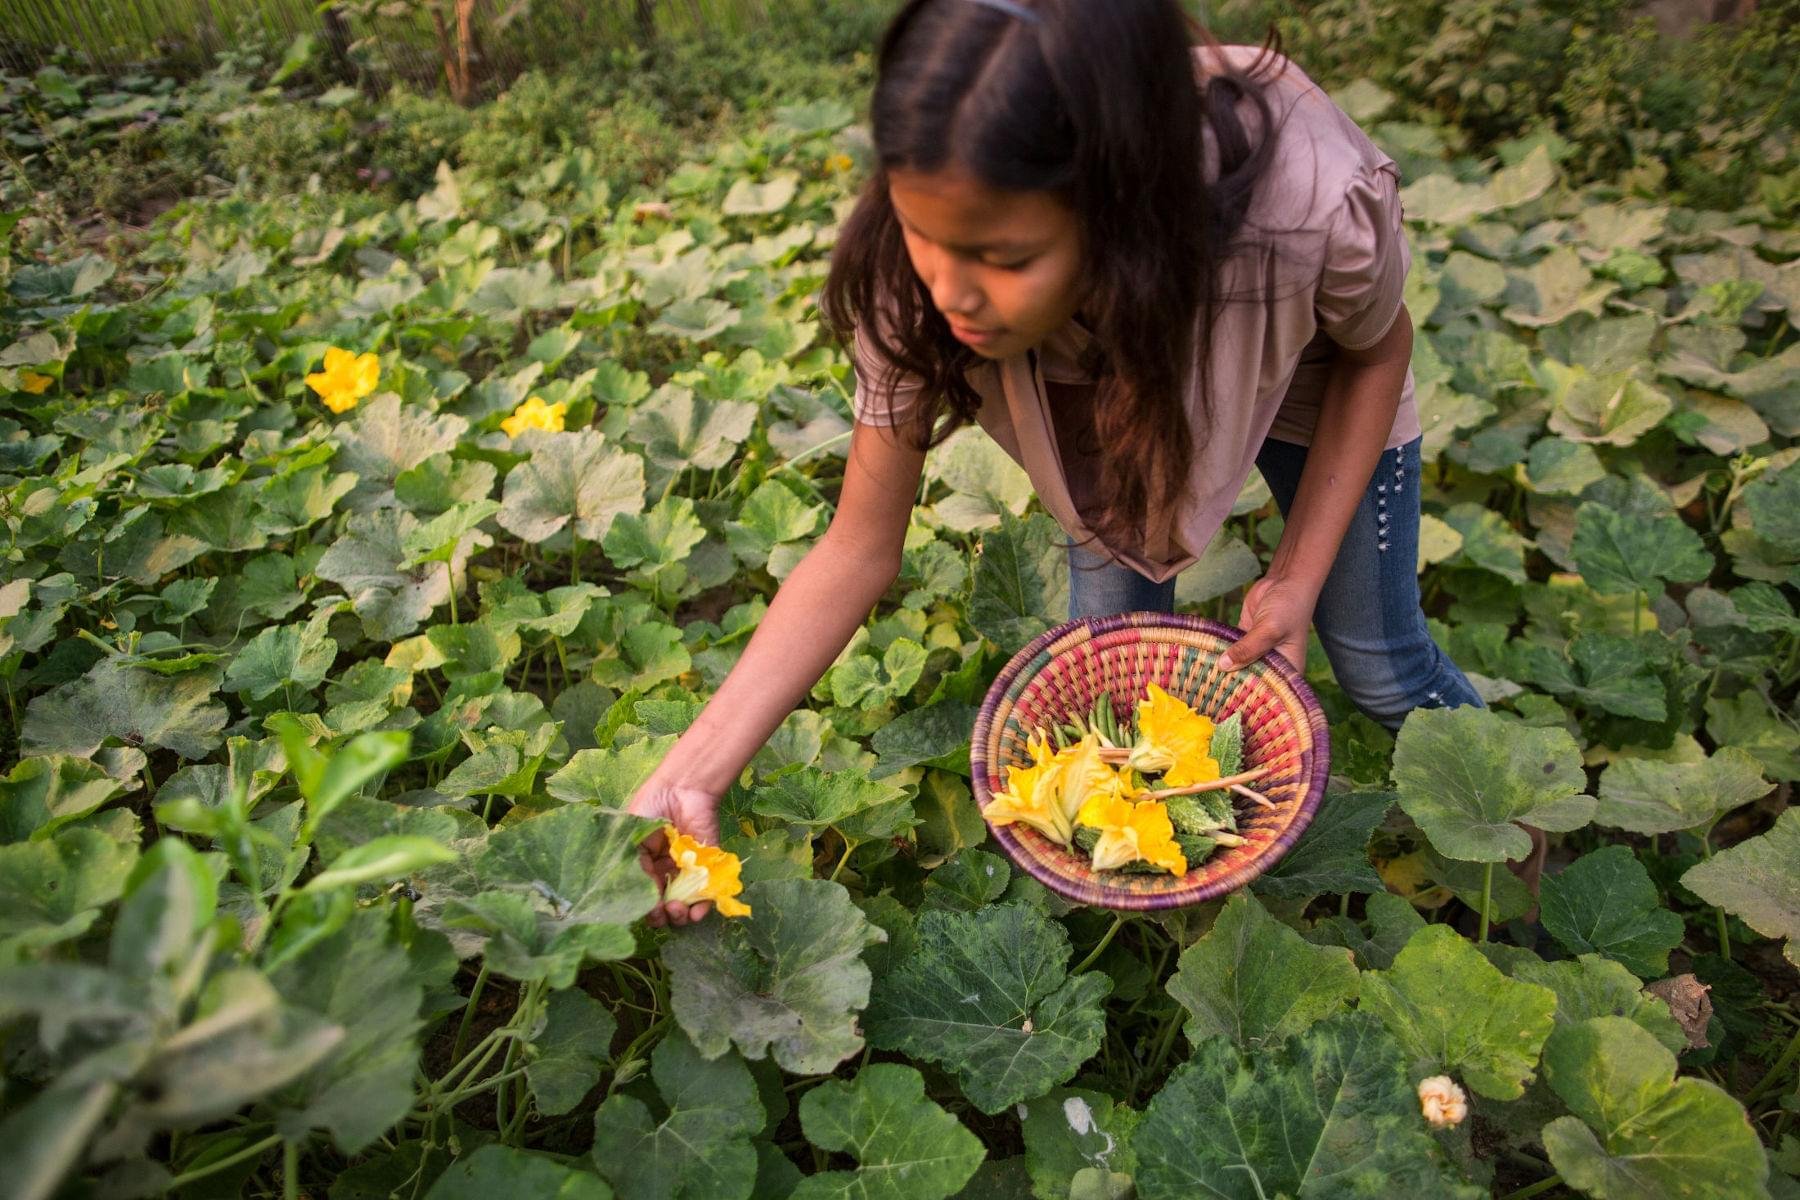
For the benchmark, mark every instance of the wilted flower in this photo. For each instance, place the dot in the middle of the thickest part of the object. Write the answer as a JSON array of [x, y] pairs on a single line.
[[535, 414], [346, 379], [1132, 830], [1033, 796], [36, 384], [1442, 1101], [704, 873], [1173, 739]]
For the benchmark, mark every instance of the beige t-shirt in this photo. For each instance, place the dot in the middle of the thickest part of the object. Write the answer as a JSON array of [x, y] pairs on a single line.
[[1326, 263]]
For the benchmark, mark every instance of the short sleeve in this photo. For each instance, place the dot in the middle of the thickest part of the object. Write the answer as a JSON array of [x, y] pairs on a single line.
[[884, 395], [1363, 278]]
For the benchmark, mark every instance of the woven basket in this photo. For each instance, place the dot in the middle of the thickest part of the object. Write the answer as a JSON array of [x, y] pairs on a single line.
[[1058, 675]]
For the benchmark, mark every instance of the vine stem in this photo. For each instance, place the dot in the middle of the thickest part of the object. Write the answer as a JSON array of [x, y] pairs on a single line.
[[468, 1018], [290, 1171], [212, 1168], [1487, 899], [849, 849], [1534, 1189], [1105, 940], [1776, 1072], [1706, 851]]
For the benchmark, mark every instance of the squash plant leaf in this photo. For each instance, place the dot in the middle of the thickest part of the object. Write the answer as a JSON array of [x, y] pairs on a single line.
[[571, 1051], [817, 799], [43, 793], [1605, 903], [905, 1145], [1021, 581], [139, 708], [1330, 1115], [785, 983], [1253, 980], [1759, 881], [699, 1147], [1469, 776], [1591, 986], [366, 561], [1646, 795], [1625, 552], [1638, 1132], [576, 865], [1332, 855], [386, 438], [575, 481], [52, 889], [1453, 1011], [988, 995], [364, 980], [496, 1170], [1071, 1130]]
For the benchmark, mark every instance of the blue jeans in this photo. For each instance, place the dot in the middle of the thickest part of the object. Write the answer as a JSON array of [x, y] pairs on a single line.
[[1368, 615]]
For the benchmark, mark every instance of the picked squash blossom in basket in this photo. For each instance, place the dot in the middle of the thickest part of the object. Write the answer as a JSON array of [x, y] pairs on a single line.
[[1095, 793], [704, 873]]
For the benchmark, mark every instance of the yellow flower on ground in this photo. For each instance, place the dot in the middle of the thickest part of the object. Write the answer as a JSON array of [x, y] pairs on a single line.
[[839, 163], [36, 384], [346, 379], [1174, 739], [1033, 796], [1131, 830], [704, 873], [535, 414], [1442, 1102]]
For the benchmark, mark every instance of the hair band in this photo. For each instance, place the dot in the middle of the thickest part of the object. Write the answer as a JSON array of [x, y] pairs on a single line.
[[1012, 8]]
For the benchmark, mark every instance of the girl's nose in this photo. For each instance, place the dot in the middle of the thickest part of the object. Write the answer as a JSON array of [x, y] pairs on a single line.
[[952, 289]]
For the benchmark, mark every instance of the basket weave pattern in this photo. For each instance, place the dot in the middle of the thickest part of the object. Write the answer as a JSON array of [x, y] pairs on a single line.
[[1059, 674]]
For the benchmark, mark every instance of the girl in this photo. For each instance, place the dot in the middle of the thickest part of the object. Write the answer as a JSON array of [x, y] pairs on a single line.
[[1142, 264]]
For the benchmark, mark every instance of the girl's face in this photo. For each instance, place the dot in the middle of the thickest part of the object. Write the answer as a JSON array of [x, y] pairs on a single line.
[[1001, 266]]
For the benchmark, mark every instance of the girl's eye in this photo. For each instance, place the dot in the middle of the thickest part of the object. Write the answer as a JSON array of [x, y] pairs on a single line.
[[1020, 265]]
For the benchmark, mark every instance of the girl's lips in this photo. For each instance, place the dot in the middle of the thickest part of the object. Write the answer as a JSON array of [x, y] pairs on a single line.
[[973, 337]]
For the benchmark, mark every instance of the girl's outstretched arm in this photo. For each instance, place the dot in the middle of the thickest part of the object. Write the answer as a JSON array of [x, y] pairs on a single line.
[[809, 622]]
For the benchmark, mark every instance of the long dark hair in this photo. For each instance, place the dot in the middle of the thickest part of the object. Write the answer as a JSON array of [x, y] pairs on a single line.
[[1100, 103]]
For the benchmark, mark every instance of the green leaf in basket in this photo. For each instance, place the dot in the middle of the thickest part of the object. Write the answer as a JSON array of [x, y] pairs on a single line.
[[1228, 745]]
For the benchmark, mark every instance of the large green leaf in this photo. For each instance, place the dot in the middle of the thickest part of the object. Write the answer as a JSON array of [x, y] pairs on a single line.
[[52, 889], [815, 799], [495, 1170], [1469, 776], [387, 437], [575, 481], [786, 982], [699, 1149], [1453, 1011], [1636, 552], [1605, 903], [1591, 986], [988, 995], [1758, 880], [1638, 1132], [1330, 1115], [137, 707], [571, 1051], [1646, 795], [1071, 1131], [363, 979], [1332, 855], [391, 599], [44, 793], [284, 657], [1255, 981], [1021, 581], [905, 1146]]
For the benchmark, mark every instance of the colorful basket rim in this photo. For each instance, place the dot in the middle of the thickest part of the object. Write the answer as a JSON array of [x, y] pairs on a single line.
[[1200, 887]]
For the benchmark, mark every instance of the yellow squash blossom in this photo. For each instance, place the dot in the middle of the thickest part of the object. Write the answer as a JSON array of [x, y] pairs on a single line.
[[346, 379], [704, 873], [1085, 776], [1032, 796], [535, 414], [1132, 830], [839, 163], [1174, 739], [36, 384]]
